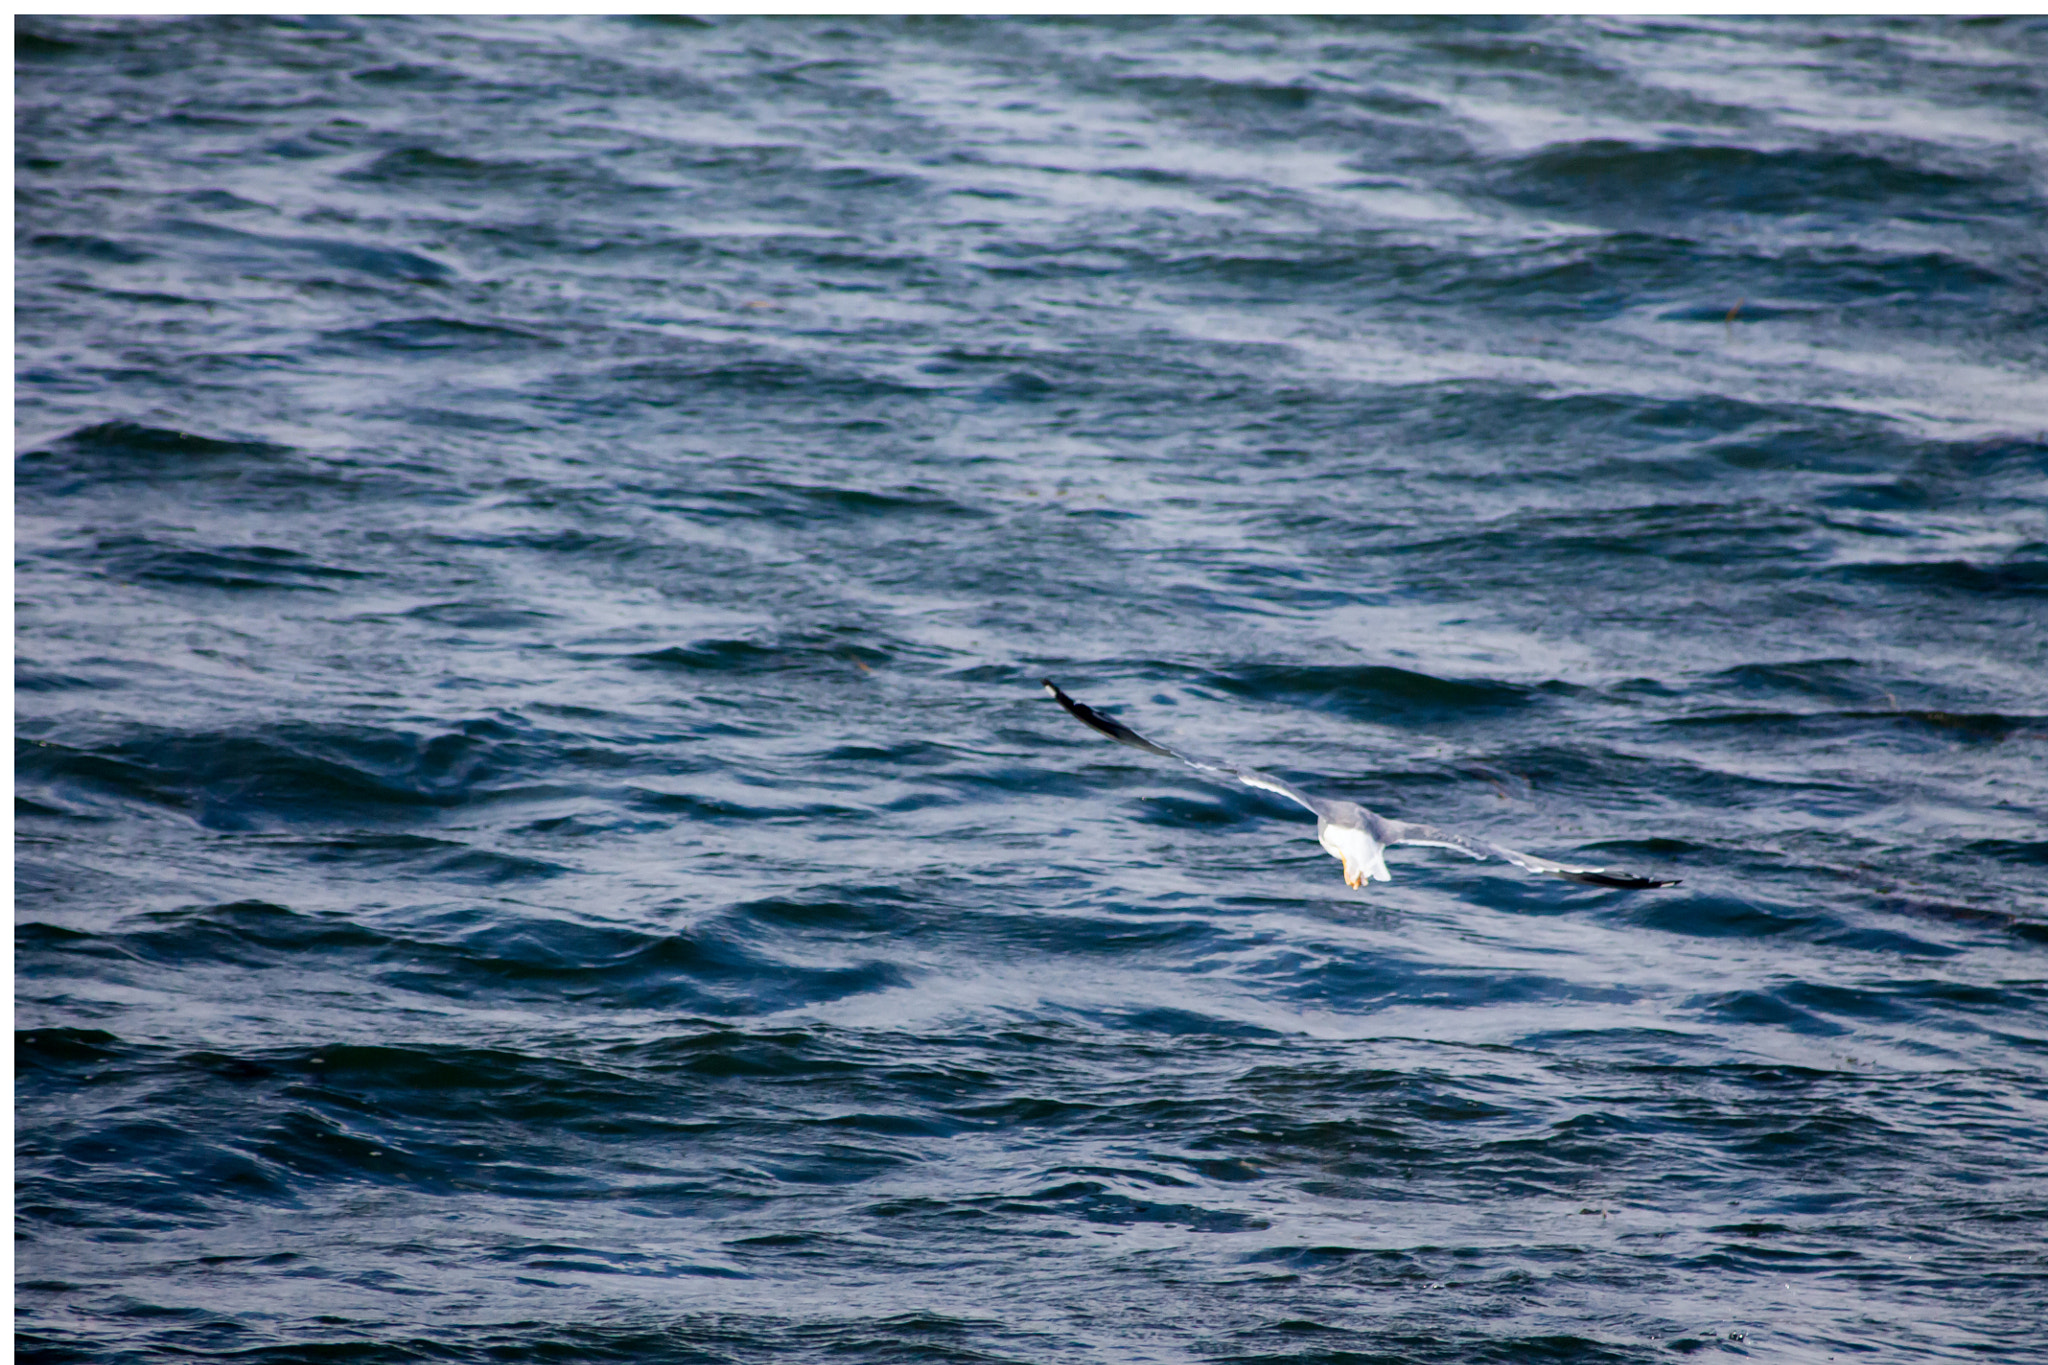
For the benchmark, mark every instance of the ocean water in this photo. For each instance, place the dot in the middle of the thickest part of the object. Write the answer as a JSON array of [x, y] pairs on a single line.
[[539, 839]]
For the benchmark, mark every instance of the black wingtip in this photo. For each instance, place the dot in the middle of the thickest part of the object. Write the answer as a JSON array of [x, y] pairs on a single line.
[[1101, 724]]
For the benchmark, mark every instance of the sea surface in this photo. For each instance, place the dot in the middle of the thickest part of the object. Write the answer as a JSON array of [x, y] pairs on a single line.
[[540, 839]]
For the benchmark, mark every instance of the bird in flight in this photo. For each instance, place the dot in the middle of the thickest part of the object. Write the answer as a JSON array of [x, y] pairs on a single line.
[[1347, 830]]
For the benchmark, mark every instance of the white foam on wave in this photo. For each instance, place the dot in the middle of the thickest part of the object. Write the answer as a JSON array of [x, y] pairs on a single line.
[[1755, 70]]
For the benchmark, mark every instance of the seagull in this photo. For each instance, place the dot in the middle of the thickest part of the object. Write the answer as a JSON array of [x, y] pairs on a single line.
[[1347, 830]]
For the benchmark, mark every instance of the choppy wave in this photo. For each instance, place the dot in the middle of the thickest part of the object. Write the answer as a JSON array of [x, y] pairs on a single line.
[[537, 832]]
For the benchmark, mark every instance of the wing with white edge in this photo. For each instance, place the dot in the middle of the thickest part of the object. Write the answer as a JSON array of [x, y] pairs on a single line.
[[1124, 734], [1344, 815], [1429, 836]]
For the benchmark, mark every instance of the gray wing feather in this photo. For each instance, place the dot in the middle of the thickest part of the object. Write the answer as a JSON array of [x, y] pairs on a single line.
[[1124, 734], [1346, 813], [1429, 836]]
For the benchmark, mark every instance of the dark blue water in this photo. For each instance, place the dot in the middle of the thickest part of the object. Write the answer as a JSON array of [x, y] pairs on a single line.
[[538, 837]]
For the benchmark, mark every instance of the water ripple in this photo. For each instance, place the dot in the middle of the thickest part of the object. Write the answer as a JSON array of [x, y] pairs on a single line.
[[537, 832]]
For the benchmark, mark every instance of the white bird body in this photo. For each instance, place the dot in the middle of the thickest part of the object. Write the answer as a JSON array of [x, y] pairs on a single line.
[[1364, 857], [1350, 833]]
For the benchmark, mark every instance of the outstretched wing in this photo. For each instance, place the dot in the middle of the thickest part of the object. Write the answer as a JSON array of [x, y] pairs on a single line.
[[1346, 815], [1124, 734], [1429, 836]]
